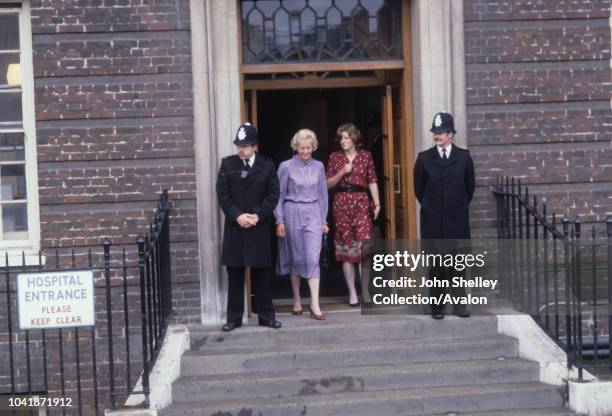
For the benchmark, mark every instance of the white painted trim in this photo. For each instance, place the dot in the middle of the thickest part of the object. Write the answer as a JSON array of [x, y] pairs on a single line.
[[29, 124], [29, 128], [592, 399], [216, 113], [535, 345], [167, 369], [457, 47]]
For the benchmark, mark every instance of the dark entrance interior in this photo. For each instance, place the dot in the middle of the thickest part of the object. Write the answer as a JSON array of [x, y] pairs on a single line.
[[281, 113]]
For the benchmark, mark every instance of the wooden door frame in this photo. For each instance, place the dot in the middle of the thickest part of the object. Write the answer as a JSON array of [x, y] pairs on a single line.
[[380, 68]]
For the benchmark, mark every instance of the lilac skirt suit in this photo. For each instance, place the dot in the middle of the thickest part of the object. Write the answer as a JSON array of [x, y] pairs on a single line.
[[302, 207]]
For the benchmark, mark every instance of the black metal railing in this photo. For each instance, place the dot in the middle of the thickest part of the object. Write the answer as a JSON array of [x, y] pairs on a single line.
[[562, 278], [94, 366]]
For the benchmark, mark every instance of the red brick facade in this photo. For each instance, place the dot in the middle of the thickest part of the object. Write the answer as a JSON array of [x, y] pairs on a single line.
[[538, 103], [114, 120]]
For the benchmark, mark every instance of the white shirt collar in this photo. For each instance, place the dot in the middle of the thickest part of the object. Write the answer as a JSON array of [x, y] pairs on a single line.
[[251, 160], [448, 150]]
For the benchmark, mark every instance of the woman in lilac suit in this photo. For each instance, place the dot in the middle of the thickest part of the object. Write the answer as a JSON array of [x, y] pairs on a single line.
[[301, 218]]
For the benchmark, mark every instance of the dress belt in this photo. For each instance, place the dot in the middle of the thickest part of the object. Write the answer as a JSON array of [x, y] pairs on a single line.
[[351, 189]]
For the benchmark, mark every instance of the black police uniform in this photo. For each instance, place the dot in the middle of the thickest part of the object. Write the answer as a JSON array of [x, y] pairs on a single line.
[[444, 188], [254, 190]]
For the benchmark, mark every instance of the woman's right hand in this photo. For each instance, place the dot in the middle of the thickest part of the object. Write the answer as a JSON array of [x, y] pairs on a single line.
[[280, 230], [348, 168]]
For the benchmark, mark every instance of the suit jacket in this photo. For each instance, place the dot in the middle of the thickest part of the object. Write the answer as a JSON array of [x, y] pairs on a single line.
[[444, 189], [257, 193]]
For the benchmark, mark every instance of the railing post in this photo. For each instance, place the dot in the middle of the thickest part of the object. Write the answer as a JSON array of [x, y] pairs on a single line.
[[506, 288], [109, 322], [528, 252], [594, 293], [578, 282], [143, 318], [568, 293], [609, 241], [126, 320], [513, 283], [545, 253], [522, 298], [536, 260], [556, 274]]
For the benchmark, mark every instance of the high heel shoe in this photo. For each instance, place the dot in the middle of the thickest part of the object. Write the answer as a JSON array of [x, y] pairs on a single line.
[[313, 315], [298, 312]]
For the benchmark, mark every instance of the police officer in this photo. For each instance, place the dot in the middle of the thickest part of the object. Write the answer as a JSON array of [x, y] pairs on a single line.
[[444, 186], [248, 191]]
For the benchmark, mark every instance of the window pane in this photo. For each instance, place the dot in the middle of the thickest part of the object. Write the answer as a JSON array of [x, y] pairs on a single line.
[[11, 147], [15, 221], [320, 30], [10, 71], [13, 185], [9, 31], [10, 106]]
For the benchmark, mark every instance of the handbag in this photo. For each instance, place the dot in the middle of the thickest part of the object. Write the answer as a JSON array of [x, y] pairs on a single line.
[[324, 257]]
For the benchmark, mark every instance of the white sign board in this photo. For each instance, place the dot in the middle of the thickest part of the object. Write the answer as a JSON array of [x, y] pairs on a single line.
[[55, 299]]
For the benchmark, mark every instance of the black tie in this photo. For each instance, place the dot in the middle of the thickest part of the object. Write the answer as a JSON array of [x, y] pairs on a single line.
[[246, 165], [444, 154]]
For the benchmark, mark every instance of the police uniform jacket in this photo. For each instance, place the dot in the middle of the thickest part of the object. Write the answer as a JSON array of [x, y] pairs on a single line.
[[444, 188], [255, 191]]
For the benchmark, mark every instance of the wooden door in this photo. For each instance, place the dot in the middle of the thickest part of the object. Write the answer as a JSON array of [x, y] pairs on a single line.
[[395, 164], [249, 107], [388, 161]]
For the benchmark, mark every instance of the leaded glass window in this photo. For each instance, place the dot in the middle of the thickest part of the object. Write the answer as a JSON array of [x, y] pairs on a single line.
[[291, 31]]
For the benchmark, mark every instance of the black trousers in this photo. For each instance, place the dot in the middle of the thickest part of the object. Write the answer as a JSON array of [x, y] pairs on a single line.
[[444, 274], [261, 289]]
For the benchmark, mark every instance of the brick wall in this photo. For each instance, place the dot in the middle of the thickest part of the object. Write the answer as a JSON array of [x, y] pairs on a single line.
[[114, 125], [538, 103]]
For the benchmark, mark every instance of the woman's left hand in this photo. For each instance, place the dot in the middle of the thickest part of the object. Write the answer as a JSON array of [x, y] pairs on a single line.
[[325, 228], [376, 211]]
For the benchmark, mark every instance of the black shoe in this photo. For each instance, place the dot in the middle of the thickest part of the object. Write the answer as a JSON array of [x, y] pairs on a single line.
[[353, 305], [273, 324], [230, 326], [437, 315], [462, 313]]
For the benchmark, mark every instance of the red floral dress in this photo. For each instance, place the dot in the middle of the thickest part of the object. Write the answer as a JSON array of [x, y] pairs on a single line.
[[351, 210]]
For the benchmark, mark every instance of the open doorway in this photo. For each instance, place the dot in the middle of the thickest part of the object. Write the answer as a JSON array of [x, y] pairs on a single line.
[[281, 113]]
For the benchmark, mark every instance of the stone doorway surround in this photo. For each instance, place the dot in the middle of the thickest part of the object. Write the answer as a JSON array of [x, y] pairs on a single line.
[[438, 69]]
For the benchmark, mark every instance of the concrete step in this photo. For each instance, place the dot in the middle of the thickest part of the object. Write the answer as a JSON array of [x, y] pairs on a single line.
[[422, 401], [298, 357], [343, 327], [555, 411], [352, 379]]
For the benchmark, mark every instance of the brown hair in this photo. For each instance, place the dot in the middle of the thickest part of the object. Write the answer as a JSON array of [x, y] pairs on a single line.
[[353, 133]]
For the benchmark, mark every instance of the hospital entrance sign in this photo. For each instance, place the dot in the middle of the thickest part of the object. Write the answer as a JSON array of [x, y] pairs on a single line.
[[55, 299]]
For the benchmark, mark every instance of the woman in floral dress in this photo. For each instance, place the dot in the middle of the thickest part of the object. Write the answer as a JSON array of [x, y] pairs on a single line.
[[351, 173]]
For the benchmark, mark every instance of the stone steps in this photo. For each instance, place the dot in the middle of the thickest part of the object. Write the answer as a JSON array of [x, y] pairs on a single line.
[[416, 401], [298, 357], [352, 379], [359, 365], [343, 327]]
